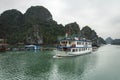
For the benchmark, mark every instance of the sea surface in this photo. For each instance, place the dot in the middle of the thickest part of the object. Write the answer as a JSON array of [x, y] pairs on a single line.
[[103, 64]]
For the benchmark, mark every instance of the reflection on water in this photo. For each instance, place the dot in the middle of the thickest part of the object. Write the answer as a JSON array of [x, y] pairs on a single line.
[[39, 65], [72, 68]]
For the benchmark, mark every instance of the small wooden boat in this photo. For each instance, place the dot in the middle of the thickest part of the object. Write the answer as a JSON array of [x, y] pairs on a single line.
[[2, 45]]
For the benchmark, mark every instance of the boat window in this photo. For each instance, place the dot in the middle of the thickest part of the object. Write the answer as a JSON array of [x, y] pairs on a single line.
[[64, 42], [82, 43], [76, 50], [73, 50], [79, 49], [83, 48], [78, 43]]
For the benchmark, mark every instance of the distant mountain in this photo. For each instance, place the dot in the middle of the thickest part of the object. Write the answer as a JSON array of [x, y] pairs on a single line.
[[109, 40], [116, 42]]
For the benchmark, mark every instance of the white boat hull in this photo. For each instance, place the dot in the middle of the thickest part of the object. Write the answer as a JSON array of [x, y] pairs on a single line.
[[68, 54]]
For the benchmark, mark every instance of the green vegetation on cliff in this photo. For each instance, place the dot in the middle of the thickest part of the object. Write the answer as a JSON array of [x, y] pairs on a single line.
[[36, 26], [11, 24], [90, 34], [72, 28]]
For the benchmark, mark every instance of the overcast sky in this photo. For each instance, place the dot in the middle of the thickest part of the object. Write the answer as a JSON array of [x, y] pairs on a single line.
[[101, 15]]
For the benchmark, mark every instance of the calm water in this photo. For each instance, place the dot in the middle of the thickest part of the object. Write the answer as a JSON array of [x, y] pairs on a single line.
[[104, 64]]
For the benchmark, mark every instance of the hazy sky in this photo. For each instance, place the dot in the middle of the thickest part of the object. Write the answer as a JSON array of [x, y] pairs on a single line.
[[101, 15]]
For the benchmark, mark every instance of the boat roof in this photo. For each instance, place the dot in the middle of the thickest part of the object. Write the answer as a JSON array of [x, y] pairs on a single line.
[[72, 39]]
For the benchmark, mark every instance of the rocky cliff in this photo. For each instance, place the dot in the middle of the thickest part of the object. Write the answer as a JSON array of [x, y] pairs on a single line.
[[36, 26]]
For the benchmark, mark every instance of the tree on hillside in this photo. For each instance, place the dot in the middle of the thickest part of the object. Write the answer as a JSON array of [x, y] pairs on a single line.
[[72, 28]]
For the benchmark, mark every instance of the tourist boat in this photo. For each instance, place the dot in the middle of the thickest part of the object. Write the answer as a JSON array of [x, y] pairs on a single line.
[[73, 47]]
